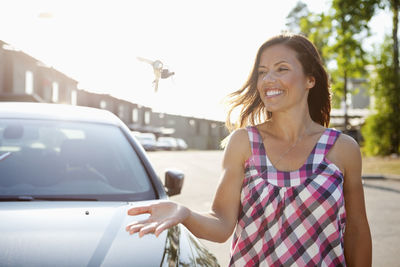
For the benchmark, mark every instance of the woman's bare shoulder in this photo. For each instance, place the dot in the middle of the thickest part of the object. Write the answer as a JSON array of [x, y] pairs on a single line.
[[238, 144], [346, 153], [239, 134], [347, 144]]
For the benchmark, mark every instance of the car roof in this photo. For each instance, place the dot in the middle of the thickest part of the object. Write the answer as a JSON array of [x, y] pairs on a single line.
[[30, 110]]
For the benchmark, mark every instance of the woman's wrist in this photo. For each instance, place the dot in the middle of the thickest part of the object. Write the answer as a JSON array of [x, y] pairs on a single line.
[[187, 214]]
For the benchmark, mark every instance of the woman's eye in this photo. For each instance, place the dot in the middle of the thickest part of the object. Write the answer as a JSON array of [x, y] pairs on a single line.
[[282, 69]]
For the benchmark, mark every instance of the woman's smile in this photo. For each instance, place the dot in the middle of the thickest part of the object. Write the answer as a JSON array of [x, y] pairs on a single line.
[[269, 93]]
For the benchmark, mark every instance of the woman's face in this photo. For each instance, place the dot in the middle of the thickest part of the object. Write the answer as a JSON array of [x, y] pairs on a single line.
[[281, 80]]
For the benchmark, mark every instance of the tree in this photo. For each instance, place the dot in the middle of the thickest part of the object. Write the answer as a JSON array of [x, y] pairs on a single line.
[[351, 19], [317, 27], [380, 126], [338, 36], [299, 12], [382, 130], [394, 101]]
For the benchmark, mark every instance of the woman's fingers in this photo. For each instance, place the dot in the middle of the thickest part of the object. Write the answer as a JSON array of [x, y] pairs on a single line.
[[163, 226], [139, 210], [135, 228], [134, 223], [154, 227], [163, 215], [149, 228]]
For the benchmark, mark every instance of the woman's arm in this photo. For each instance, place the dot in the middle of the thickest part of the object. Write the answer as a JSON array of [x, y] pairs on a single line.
[[216, 225], [357, 237]]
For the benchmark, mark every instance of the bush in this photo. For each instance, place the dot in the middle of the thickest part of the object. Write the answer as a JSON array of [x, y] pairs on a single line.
[[376, 133]]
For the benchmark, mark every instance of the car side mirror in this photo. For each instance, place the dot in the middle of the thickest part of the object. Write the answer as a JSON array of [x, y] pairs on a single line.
[[174, 182]]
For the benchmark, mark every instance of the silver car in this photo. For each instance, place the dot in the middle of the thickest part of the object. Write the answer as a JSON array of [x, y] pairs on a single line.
[[68, 175]]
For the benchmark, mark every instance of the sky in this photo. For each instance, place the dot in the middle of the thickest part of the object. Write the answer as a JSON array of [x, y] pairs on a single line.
[[209, 44]]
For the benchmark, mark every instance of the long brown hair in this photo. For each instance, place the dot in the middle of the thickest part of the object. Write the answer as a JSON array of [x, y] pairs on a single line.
[[319, 98]]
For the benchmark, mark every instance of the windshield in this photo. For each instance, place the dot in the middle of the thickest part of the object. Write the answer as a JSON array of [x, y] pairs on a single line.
[[79, 160]]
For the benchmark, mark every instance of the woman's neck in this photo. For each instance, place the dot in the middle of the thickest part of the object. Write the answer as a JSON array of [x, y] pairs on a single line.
[[291, 125]]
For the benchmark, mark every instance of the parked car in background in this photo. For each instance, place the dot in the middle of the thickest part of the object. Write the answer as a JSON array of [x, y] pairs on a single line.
[[167, 143], [182, 145], [68, 175], [147, 140]]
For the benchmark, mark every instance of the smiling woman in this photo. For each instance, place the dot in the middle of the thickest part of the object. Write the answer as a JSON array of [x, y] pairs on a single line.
[[291, 188], [281, 63]]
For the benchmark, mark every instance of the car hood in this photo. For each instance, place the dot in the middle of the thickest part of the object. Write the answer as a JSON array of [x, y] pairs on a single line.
[[44, 233]]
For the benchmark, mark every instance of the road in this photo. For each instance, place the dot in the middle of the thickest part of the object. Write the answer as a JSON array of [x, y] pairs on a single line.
[[202, 172]]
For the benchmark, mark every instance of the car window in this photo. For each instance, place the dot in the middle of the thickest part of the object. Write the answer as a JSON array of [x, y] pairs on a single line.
[[68, 158]]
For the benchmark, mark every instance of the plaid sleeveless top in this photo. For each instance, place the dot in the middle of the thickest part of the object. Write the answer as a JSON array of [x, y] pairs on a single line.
[[294, 218]]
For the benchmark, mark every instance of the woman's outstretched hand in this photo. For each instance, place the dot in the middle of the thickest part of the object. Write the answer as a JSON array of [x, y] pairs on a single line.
[[163, 215]]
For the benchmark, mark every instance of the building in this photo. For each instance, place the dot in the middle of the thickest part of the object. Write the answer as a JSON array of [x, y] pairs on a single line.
[[24, 78], [197, 132], [357, 109]]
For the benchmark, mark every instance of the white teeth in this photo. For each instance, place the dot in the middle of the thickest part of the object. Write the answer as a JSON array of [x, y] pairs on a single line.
[[273, 92]]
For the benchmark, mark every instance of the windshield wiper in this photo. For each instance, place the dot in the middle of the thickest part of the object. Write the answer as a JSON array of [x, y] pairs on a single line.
[[44, 198]]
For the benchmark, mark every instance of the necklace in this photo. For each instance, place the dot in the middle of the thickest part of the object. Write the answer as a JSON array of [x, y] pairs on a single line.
[[289, 149]]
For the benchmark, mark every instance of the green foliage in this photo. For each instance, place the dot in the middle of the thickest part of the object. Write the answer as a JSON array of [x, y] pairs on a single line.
[[380, 128], [350, 18], [376, 135], [317, 27], [338, 35], [353, 15], [296, 14]]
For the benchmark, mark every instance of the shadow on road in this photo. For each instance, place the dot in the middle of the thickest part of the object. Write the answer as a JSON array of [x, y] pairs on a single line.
[[379, 187]]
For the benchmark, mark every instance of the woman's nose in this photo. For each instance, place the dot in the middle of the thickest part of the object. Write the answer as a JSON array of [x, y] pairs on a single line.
[[268, 77]]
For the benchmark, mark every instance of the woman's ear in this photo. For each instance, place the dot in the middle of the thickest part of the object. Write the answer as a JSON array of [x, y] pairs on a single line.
[[310, 82]]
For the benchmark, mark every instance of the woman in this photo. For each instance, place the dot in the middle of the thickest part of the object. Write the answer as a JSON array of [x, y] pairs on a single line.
[[290, 186]]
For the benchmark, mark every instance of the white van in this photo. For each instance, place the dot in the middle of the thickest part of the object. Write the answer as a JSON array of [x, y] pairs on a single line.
[[147, 140]]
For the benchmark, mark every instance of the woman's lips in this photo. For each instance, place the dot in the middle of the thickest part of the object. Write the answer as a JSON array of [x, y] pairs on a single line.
[[273, 92]]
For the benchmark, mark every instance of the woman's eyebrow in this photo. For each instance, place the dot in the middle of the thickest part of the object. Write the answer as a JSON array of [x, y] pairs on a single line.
[[277, 63]]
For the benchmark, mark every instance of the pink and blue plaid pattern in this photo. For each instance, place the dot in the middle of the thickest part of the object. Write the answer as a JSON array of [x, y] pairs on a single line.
[[292, 218]]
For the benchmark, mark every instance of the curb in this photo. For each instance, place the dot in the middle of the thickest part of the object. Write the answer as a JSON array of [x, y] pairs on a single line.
[[381, 177]]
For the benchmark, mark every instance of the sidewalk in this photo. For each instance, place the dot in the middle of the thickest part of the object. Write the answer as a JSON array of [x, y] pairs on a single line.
[[381, 177]]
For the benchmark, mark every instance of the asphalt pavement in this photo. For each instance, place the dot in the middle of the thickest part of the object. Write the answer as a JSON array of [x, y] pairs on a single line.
[[202, 173]]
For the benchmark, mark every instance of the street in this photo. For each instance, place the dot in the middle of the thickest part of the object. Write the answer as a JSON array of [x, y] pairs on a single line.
[[202, 170]]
